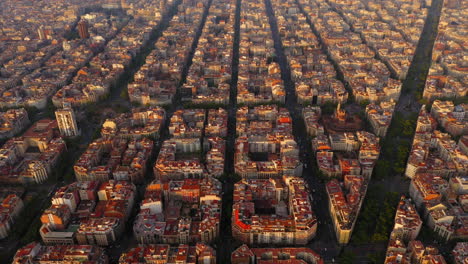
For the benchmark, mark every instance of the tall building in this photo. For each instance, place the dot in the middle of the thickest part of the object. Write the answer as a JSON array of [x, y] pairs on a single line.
[[67, 122], [44, 32], [83, 29], [41, 31]]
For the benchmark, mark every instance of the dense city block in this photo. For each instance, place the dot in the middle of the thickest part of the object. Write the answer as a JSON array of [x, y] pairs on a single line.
[[233, 131]]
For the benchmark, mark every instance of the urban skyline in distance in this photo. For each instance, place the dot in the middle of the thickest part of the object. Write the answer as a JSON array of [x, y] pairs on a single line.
[[233, 131]]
